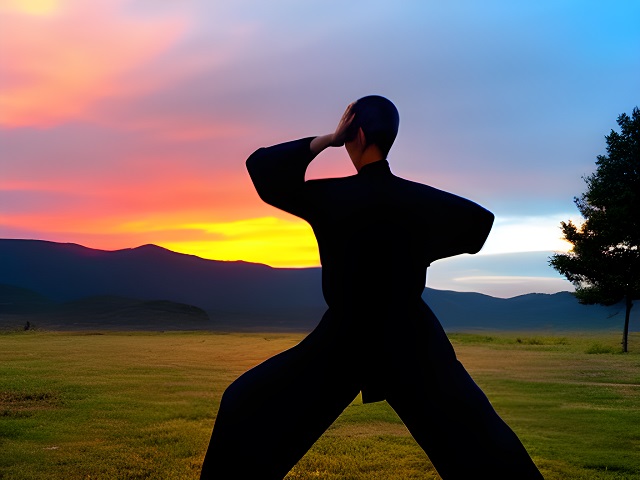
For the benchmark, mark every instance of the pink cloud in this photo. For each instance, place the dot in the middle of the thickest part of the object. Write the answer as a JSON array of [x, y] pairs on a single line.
[[57, 65]]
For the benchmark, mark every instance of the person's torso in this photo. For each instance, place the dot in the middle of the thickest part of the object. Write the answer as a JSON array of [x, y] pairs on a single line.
[[373, 236]]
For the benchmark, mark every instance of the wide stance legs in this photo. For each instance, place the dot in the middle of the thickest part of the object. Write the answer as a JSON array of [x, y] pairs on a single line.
[[272, 414]]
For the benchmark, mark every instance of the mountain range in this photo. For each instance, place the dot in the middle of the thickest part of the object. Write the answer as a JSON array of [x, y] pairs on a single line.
[[68, 286]]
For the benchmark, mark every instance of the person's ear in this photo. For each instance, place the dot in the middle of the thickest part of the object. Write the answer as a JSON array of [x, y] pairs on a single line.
[[362, 139]]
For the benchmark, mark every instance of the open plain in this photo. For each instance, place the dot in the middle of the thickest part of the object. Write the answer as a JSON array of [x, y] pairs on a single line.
[[140, 405]]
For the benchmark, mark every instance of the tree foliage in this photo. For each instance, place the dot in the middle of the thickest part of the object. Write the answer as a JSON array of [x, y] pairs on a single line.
[[604, 263]]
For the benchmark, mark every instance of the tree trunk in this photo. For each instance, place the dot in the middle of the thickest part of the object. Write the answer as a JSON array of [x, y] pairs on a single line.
[[625, 334]]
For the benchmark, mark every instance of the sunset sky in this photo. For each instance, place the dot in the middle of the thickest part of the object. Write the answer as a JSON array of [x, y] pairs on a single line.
[[127, 122]]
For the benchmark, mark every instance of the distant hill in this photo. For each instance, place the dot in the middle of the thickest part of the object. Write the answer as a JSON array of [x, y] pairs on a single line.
[[71, 286], [18, 300], [19, 306], [233, 294], [534, 311]]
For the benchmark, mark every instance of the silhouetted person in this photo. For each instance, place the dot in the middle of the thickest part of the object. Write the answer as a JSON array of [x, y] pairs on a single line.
[[377, 234]]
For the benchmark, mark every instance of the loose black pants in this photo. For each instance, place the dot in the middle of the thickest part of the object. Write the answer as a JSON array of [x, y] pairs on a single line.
[[272, 414]]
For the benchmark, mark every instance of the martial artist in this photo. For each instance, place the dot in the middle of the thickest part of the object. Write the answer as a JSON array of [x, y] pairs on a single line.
[[377, 235]]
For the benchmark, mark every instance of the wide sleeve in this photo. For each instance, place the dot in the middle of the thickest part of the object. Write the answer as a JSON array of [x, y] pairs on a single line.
[[462, 226], [277, 173]]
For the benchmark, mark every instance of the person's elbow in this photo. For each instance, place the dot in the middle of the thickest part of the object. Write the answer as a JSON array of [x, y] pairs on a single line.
[[253, 162], [483, 223]]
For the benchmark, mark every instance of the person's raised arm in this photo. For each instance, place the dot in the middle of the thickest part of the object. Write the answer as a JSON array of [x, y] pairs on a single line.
[[278, 171]]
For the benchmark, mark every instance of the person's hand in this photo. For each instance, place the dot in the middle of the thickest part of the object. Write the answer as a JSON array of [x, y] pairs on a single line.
[[339, 136], [335, 139]]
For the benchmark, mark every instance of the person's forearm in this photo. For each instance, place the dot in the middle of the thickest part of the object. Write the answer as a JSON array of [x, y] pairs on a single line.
[[320, 143]]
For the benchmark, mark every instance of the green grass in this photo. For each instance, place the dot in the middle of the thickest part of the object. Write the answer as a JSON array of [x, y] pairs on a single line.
[[141, 405]]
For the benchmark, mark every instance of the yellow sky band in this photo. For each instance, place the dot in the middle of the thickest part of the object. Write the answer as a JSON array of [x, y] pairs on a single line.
[[274, 241]]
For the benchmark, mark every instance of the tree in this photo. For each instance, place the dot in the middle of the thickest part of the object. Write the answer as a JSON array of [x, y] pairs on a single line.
[[604, 263]]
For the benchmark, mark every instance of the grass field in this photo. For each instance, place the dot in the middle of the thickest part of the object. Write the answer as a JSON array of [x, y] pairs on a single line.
[[141, 405]]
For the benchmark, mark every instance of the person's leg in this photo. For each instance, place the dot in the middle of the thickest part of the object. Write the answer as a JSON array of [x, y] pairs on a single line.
[[452, 419], [271, 415]]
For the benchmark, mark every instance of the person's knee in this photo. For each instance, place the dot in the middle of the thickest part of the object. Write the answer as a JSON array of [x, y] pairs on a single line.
[[242, 394], [232, 397]]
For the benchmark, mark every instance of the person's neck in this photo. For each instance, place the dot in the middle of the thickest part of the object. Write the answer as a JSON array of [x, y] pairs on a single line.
[[370, 154]]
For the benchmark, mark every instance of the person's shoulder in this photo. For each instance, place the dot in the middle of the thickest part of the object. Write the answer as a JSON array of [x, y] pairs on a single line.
[[427, 193], [415, 186]]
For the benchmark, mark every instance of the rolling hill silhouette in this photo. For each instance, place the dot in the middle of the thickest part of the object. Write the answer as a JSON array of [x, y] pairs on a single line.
[[64, 285], [233, 294], [19, 306]]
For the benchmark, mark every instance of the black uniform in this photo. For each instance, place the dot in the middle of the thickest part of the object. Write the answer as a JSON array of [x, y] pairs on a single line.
[[377, 234]]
